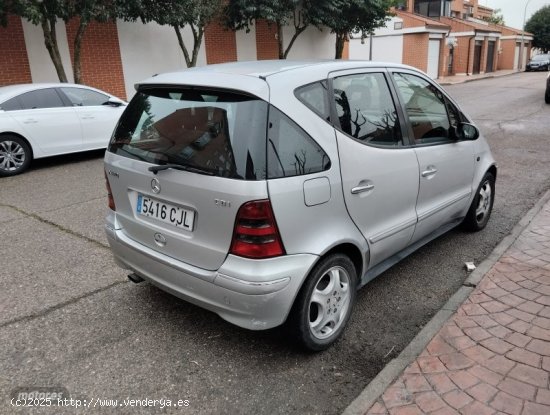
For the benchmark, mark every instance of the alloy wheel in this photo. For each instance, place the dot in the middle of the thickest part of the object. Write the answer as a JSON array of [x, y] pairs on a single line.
[[484, 203], [12, 156], [329, 303]]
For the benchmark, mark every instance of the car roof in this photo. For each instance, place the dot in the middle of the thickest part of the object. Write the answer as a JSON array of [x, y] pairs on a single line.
[[10, 91], [253, 76]]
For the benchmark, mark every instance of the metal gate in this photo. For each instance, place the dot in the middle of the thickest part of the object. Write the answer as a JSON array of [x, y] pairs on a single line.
[[491, 57], [477, 56]]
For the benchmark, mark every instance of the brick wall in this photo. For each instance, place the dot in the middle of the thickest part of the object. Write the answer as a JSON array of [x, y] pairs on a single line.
[[443, 57], [345, 50], [266, 40], [220, 44], [415, 50], [14, 62], [100, 56], [464, 44]]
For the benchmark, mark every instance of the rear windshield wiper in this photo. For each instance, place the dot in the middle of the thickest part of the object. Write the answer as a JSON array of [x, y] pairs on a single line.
[[156, 169]]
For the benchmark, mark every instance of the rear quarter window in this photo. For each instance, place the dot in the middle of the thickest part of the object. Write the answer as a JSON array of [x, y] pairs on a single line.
[[315, 97], [290, 150], [11, 105]]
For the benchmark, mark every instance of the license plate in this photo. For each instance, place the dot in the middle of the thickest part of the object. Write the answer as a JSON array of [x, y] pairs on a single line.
[[165, 212]]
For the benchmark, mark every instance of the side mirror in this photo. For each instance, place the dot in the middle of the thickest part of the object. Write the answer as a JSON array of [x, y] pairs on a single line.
[[114, 102], [467, 131]]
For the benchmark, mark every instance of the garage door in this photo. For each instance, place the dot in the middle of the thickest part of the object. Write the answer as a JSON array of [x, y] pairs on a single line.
[[433, 58]]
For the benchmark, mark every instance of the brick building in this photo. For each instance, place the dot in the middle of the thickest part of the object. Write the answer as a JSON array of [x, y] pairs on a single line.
[[440, 37], [470, 46]]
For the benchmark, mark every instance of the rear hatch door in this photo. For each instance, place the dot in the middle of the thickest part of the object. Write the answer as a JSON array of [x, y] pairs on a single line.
[[181, 163]]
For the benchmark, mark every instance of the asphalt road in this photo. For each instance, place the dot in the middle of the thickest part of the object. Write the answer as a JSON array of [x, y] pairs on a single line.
[[69, 318]]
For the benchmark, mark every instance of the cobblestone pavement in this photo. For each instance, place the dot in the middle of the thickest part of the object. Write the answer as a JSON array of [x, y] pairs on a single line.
[[493, 355]]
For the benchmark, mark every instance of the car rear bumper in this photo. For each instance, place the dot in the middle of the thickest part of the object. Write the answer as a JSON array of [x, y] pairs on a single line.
[[254, 294]]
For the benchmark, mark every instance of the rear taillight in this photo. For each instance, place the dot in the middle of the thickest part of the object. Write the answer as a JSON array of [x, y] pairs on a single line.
[[256, 235], [109, 193]]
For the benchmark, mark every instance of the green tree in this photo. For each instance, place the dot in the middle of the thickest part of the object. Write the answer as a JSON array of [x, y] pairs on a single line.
[[46, 13], [496, 18], [539, 26], [241, 14], [5, 7], [344, 17], [195, 14]]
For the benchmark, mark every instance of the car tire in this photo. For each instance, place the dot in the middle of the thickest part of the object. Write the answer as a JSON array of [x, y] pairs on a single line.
[[15, 155], [332, 282], [480, 211], [547, 97]]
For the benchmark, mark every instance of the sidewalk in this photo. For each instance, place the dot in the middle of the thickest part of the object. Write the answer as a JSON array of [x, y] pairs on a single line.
[[492, 355], [458, 79]]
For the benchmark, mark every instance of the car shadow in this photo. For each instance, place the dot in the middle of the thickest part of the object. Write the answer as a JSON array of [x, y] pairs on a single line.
[[66, 159]]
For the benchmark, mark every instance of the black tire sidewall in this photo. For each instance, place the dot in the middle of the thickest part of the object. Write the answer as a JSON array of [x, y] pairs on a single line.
[[26, 149], [298, 321], [470, 222]]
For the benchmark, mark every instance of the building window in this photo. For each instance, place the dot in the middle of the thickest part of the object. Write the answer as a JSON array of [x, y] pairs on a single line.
[[430, 8]]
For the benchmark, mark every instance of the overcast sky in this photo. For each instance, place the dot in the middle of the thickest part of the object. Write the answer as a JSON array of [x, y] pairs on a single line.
[[513, 9]]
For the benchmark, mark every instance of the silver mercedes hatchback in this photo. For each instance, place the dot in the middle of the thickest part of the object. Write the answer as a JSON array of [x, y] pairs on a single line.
[[270, 191]]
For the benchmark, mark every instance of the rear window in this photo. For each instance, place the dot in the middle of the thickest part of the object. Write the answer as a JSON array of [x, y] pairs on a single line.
[[219, 132]]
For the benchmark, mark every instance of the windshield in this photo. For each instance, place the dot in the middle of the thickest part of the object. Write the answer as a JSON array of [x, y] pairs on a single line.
[[541, 58], [219, 133]]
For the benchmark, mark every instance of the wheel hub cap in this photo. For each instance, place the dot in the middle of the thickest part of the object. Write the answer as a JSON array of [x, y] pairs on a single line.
[[12, 155], [484, 204], [329, 303]]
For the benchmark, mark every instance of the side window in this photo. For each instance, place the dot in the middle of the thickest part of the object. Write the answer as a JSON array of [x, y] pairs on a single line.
[[315, 97], [455, 116], [80, 97], [426, 107], [11, 105], [290, 151], [41, 98], [366, 110]]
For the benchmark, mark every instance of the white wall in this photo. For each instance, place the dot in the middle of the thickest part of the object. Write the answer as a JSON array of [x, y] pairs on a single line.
[[311, 44], [149, 49], [246, 44], [387, 44], [41, 65]]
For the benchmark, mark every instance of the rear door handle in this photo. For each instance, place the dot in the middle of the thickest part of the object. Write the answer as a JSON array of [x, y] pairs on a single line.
[[361, 189], [429, 172], [30, 121]]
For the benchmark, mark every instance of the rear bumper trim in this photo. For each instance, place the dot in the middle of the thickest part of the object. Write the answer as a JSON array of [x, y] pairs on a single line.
[[253, 294], [251, 287]]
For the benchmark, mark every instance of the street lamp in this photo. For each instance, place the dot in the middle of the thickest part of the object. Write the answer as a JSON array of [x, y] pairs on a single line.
[[522, 47]]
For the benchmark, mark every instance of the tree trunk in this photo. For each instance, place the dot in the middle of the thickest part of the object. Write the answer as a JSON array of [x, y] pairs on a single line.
[[297, 32], [197, 41], [340, 41], [280, 39], [198, 33], [77, 70], [50, 39], [189, 61]]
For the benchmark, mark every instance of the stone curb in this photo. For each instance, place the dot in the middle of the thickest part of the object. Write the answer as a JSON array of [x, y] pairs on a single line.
[[384, 379], [477, 79]]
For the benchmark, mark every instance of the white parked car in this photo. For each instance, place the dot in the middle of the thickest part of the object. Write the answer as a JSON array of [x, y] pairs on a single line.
[[41, 120]]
